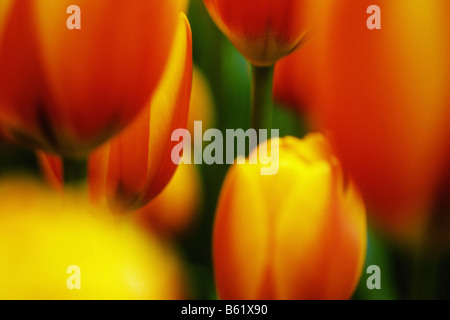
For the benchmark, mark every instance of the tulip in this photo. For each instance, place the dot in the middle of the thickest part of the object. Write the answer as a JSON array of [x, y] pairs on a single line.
[[175, 208], [299, 234], [262, 30], [67, 91], [384, 98], [135, 166], [40, 239]]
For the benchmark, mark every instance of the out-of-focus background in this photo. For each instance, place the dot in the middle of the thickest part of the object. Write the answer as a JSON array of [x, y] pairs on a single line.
[[221, 98]]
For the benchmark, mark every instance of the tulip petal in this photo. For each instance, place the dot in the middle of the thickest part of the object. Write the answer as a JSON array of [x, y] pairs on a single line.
[[240, 234], [169, 111], [140, 163], [116, 78]]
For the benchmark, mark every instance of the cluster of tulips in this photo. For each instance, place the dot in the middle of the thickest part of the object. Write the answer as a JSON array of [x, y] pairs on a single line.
[[98, 107]]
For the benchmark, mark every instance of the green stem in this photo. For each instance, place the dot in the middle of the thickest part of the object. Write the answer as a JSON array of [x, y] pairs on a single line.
[[262, 106], [75, 172]]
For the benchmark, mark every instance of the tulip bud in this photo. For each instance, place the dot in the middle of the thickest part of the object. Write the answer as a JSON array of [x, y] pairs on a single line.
[[53, 251], [68, 91], [135, 166], [299, 234], [384, 98], [262, 30]]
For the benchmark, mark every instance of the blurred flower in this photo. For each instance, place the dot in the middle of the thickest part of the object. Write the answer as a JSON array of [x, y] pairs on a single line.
[[174, 209], [135, 166], [262, 30], [68, 91], [299, 234], [40, 238], [139, 163], [296, 79], [384, 98], [202, 103], [52, 169]]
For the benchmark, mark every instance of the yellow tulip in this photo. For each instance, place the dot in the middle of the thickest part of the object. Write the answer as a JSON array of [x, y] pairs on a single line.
[[184, 5], [383, 95], [299, 234], [174, 209], [40, 239]]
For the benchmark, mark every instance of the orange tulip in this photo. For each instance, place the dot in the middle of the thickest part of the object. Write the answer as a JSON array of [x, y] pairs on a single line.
[[68, 91], [262, 30], [135, 166], [299, 234], [175, 208], [384, 98]]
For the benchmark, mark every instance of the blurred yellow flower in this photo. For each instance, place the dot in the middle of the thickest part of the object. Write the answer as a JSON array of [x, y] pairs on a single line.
[[80, 87], [174, 209]]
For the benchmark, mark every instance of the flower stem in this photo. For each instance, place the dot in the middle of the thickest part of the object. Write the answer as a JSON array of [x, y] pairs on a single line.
[[262, 106], [75, 172]]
